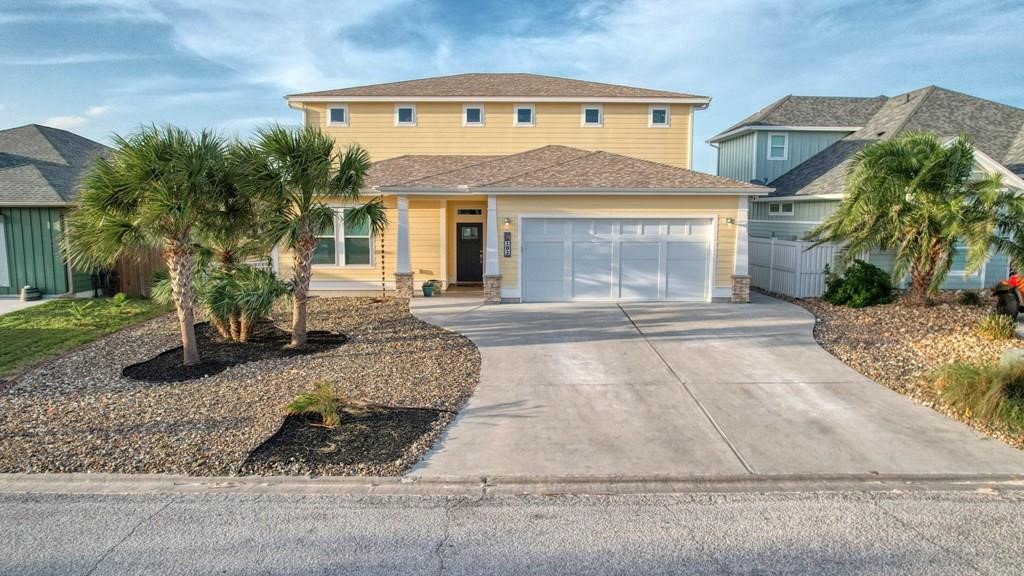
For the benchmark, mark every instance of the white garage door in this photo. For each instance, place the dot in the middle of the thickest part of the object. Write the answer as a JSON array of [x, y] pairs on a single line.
[[615, 259]]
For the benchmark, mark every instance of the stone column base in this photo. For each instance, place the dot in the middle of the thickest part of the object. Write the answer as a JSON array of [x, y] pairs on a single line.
[[403, 285], [741, 289], [492, 289]]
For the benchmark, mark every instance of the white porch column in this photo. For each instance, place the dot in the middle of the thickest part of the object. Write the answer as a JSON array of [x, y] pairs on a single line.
[[402, 265], [742, 265], [491, 263]]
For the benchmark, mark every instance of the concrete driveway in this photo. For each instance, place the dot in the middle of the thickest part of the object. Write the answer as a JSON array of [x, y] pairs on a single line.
[[682, 389]]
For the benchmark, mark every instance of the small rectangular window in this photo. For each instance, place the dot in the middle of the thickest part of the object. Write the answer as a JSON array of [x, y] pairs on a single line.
[[524, 115], [780, 208], [326, 251], [473, 115], [592, 116], [405, 115], [659, 117], [357, 239], [778, 146], [470, 211], [337, 116]]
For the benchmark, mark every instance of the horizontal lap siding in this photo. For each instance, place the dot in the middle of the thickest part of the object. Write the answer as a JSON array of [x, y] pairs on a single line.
[[439, 130], [33, 250], [513, 207]]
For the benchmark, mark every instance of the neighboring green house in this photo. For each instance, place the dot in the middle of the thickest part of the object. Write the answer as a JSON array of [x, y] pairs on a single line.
[[802, 147], [39, 172]]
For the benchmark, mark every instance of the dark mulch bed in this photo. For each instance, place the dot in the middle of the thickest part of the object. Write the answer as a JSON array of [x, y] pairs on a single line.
[[370, 440], [266, 342]]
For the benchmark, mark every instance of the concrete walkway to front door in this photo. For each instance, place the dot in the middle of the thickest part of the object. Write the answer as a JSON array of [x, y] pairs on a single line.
[[685, 390]]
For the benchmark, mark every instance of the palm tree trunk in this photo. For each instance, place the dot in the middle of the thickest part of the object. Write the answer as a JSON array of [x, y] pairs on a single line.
[[302, 270], [221, 328], [244, 328], [920, 285], [180, 265]]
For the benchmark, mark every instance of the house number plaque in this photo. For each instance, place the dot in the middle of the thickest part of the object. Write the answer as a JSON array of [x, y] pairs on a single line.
[[507, 245]]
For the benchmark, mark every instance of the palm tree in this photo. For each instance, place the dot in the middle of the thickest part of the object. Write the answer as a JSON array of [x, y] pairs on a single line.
[[915, 196], [154, 190], [294, 171]]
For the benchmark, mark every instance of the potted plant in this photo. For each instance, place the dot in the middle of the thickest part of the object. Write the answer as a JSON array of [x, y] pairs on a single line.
[[428, 288]]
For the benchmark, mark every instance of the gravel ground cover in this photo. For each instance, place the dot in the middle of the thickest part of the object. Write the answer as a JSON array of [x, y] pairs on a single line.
[[79, 414], [898, 346]]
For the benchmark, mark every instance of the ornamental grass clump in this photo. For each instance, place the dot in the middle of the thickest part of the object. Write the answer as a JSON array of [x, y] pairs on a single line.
[[322, 401], [992, 392], [997, 327]]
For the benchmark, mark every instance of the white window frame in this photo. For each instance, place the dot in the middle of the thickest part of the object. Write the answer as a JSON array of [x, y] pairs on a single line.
[[339, 242], [781, 211], [483, 115], [415, 117], [337, 107], [583, 115], [785, 146], [515, 115], [650, 116], [5, 278]]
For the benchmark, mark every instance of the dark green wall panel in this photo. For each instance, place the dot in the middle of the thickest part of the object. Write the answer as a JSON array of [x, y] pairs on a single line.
[[33, 250]]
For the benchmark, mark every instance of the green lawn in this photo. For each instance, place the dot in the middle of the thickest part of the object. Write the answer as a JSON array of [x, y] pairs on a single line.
[[34, 334]]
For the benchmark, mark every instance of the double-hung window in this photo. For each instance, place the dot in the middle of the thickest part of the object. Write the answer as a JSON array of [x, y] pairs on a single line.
[[344, 242], [778, 146]]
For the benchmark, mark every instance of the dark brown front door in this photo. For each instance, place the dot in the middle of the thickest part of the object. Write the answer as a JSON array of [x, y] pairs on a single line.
[[469, 249]]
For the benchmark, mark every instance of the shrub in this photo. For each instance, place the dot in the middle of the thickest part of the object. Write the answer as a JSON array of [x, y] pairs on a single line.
[[119, 300], [862, 285], [969, 298], [991, 392], [321, 401], [997, 327]]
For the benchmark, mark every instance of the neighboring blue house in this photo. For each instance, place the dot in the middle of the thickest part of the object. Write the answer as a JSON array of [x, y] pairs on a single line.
[[802, 147]]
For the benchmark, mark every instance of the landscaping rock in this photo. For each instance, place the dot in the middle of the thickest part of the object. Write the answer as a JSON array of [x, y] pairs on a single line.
[[79, 414]]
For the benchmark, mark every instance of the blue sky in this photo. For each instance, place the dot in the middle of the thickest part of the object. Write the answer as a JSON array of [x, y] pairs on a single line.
[[102, 66]]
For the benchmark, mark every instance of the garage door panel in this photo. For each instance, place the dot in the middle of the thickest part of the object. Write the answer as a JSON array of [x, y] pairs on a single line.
[[639, 270], [544, 270], [592, 270], [686, 270]]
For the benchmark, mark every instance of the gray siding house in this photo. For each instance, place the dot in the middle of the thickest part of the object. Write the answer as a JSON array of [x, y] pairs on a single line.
[[802, 147]]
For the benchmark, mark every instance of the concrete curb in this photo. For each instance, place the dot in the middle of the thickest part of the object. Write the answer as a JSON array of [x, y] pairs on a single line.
[[151, 484]]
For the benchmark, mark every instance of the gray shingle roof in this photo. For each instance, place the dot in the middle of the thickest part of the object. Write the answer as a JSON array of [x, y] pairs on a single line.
[[817, 111], [497, 85], [547, 168], [41, 166], [996, 129]]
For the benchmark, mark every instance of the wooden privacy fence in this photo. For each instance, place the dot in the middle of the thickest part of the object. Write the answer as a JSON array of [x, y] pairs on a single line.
[[789, 267], [135, 275]]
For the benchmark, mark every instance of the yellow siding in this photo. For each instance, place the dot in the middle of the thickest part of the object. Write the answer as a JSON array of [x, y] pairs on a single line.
[[622, 206], [439, 130]]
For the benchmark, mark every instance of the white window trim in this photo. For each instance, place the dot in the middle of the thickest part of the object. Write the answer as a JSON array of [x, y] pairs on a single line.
[[583, 115], [415, 117], [5, 278], [650, 116], [785, 146], [339, 242], [337, 107], [483, 116], [515, 115], [782, 211]]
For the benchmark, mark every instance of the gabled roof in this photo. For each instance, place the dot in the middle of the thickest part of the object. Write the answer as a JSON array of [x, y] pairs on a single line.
[[40, 166], [496, 86], [994, 128], [550, 168], [808, 111]]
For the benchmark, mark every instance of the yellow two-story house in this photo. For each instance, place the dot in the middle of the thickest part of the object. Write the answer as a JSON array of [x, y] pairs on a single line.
[[537, 188]]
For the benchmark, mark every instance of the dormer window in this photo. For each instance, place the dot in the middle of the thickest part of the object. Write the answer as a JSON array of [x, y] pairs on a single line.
[[405, 114], [523, 115], [778, 146], [591, 115], [337, 116], [473, 115], [659, 117]]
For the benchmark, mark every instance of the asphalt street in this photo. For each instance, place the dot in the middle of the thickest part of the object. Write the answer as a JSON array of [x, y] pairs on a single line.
[[844, 532]]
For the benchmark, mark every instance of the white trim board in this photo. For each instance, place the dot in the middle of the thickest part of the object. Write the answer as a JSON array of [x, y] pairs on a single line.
[[745, 129], [580, 99]]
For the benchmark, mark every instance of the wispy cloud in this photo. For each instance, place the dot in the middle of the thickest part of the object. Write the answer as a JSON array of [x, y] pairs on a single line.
[[66, 59], [78, 121]]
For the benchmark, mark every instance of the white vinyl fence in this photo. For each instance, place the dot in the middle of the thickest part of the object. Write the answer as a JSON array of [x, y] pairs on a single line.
[[789, 267]]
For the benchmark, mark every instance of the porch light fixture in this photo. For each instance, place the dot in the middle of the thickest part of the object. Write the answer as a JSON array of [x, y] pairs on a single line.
[[507, 222], [730, 221]]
